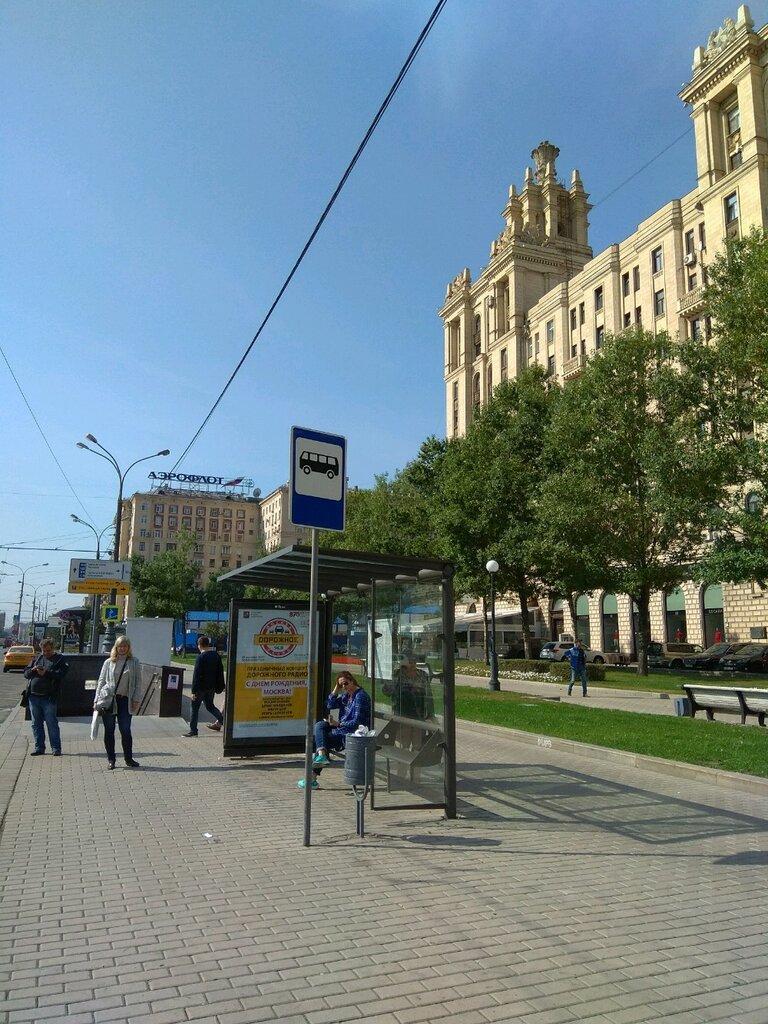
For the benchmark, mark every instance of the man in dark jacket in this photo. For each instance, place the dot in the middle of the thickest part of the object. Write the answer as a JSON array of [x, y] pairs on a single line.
[[207, 679], [45, 673]]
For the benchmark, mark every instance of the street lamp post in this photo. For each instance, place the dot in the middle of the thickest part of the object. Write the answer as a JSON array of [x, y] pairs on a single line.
[[52, 583], [104, 453], [96, 600], [23, 572], [492, 567]]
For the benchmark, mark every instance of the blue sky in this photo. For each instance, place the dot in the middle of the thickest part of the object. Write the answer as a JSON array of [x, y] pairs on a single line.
[[165, 161]]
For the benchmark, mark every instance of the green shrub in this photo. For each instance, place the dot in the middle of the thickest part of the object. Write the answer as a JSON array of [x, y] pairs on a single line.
[[562, 670]]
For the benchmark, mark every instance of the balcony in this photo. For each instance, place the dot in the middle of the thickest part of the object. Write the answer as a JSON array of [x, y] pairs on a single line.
[[692, 302], [574, 366]]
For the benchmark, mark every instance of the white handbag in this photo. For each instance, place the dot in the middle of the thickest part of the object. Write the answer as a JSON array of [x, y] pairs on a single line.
[[95, 724]]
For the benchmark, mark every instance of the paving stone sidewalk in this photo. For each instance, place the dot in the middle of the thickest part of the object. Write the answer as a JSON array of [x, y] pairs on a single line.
[[574, 887]]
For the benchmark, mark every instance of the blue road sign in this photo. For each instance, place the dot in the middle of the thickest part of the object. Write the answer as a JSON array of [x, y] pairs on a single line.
[[318, 479]]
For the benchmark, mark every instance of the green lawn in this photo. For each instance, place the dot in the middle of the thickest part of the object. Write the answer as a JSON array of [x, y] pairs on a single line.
[[732, 747], [657, 681]]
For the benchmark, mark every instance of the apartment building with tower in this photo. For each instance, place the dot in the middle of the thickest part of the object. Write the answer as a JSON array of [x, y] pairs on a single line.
[[545, 298]]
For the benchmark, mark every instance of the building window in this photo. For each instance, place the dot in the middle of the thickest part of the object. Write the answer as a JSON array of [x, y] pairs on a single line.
[[636, 279], [159, 508], [658, 302], [582, 313], [732, 119], [186, 510], [157, 533], [731, 208], [638, 315], [156, 548], [211, 563], [753, 503], [625, 284], [213, 525], [227, 513], [173, 510], [143, 520], [550, 332], [551, 365], [598, 298], [200, 511], [241, 513], [657, 260], [736, 159], [490, 379], [696, 331], [186, 521], [143, 533], [142, 545], [170, 547], [702, 236], [693, 280], [573, 319], [476, 337], [689, 242], [628, 319], [144, 507], [225, 563], [173, 521], [599, 337], [503, 355], [240, 525], [476, 390]]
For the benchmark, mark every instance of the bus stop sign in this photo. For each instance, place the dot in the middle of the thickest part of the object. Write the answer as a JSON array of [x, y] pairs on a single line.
[[318, 479]]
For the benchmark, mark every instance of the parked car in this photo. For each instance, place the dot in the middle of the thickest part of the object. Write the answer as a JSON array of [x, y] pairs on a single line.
[[555, 651], [17, 657], [670, 655], [751, 658], [710, 659]]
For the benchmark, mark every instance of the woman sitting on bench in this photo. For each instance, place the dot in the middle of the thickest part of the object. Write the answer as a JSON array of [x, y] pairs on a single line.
[[354, 705]]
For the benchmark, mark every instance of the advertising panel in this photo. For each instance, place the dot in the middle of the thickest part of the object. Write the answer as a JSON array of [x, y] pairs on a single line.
[[267, 676]]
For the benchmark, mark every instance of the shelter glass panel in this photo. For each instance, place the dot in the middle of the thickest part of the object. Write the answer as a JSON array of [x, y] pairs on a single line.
[[406, 665]]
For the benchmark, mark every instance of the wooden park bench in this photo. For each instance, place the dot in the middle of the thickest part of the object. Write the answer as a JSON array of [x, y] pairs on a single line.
[[740, 700]]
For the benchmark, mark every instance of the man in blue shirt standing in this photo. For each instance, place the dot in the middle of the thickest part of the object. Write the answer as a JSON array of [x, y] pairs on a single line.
[[577, 656], [354, 707]]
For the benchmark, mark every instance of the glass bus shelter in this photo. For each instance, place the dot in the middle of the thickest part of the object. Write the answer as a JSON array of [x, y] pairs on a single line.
[[389, 621]]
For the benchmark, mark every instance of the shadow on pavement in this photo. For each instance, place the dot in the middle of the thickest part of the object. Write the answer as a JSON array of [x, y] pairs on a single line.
[[540, 795]]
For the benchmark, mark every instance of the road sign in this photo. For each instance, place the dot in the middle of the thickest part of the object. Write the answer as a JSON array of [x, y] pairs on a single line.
[[93, 569], [110, 613], [318, 479], [97, 587]]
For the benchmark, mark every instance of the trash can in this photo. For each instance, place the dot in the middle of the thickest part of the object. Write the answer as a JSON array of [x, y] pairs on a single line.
[[360, 754], [683, 707]]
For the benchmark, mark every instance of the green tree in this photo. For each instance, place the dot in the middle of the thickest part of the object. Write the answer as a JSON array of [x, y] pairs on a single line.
[[168, 585], [643, 475], [396, 516], [736, 369], [489, 484]]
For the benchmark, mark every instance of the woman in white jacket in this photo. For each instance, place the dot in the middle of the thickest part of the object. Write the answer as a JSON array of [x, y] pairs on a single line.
[[118, 695]]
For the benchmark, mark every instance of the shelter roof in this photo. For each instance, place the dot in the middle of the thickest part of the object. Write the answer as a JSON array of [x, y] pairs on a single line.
[[338, 570]]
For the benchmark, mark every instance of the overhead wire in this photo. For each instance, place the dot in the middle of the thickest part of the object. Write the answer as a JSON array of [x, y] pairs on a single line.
[[42, 433], [337, 191]]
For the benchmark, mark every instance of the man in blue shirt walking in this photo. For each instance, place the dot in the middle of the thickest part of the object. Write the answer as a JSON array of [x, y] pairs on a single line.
[[577, 656]]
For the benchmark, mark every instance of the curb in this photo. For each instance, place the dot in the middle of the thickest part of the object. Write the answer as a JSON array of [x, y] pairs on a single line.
[[678, 769]]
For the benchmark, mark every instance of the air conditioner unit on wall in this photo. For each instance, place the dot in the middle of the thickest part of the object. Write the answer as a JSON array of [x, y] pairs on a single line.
[[689, 259]]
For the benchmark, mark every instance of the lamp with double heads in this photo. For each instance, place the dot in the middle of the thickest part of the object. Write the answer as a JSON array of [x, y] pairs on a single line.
[[492, 567], [23, 572], [104, 453], [96, 601]]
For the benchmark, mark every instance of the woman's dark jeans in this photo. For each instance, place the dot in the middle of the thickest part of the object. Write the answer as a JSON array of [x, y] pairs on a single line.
[[123, 718]]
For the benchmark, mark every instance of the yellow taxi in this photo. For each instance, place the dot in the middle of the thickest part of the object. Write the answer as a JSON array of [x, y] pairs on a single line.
[[18, 656]]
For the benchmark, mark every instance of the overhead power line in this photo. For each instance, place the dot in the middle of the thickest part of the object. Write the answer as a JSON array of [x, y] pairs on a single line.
[[42, 433], [645, 166], [366, 138]]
